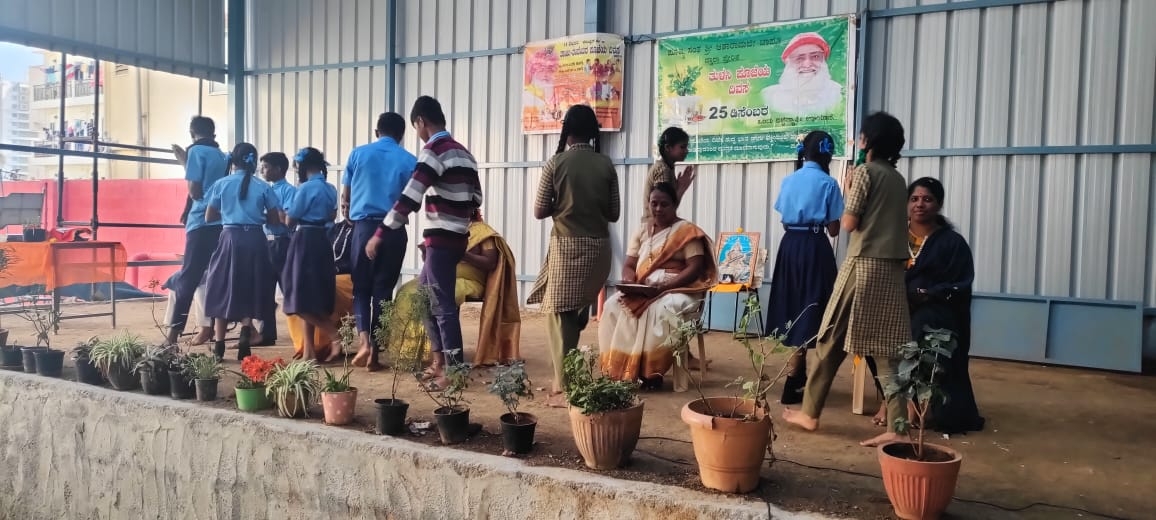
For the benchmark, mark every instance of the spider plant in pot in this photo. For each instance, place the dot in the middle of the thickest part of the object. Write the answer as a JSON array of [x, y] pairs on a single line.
[[205, 371], [731, 435], [402, 328], [294, 387], [511, 385], [338, 398], [452, 414], [919, 477], [44, 322], [116, 357], [86, 371], [153, 369], [181, 386], [605, 414], [250, 389]]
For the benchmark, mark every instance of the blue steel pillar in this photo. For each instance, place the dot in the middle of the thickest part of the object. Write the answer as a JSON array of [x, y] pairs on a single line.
[[391, 56], [235, 76], [595, 19]]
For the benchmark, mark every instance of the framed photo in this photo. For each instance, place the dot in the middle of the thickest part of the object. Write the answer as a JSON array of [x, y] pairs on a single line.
[[737, 257]]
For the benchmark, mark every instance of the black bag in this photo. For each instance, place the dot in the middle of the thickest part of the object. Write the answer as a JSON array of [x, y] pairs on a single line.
[[342, 237]]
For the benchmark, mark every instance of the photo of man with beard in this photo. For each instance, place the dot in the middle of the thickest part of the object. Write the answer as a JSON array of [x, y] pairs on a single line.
[[805, 86]]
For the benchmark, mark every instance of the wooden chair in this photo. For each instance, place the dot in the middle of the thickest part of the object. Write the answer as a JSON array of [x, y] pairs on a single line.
[[682, 377]]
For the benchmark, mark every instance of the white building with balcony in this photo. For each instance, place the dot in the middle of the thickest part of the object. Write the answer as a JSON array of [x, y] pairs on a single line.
[[15, 128]]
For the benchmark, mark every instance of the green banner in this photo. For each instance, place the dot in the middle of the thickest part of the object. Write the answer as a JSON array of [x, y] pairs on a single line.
[[746, 95]]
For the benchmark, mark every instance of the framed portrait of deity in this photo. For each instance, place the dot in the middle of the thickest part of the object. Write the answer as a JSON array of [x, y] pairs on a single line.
[[737, 257]]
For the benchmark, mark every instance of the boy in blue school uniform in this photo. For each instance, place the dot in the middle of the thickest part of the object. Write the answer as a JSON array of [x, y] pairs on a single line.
[[309, 280], [274, 166], [240, 272], [375, 176], [205, 164]]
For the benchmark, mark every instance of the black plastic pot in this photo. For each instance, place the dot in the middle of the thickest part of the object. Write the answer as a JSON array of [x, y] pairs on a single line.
[[49, 363], [11, 357], [154, 382], [35, 235], [391, 416], [180, 387], [86, 372], [453, 424], [207, 389], [29, 358], [122, 377], [518, 437]]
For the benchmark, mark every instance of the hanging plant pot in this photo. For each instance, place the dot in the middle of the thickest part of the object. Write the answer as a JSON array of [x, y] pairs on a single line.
[[338, 406], [919, 490], [28, 355], [11, 357], [606, 439], [729, 451], [154, 382], [453, 424], [206, 389], [122, 377], [518, 432], [391, 416], [251, 399], [49, 363], [180, 387], [87, 373]]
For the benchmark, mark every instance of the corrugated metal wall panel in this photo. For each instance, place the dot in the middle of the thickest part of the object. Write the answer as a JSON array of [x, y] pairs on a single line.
[[178, 36]]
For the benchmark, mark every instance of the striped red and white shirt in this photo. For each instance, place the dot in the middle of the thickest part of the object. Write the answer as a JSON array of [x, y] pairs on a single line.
[[451, 171]]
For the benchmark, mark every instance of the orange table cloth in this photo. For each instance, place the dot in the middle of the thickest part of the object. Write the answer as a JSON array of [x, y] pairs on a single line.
[[59, 264]]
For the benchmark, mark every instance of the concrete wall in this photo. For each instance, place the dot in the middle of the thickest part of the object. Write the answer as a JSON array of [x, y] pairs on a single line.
[[77, 451]]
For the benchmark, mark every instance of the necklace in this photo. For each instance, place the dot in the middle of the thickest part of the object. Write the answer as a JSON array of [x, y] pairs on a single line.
[[915, 245], [654, 231]]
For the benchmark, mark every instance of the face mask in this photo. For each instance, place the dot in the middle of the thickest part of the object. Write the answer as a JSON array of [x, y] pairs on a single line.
[[861, 158]]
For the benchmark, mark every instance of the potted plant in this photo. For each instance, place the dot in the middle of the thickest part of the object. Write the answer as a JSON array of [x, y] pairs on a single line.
[[86, 371], [605, 415], [511, 385], [732, 434], [41, 358], [920, 477], [34, 232], [250, 390], [205, 371], [153, 369], [294, 387], [116, 357], [452, 414], [401, 327], [179, 384], [684, 105], [6, 258]]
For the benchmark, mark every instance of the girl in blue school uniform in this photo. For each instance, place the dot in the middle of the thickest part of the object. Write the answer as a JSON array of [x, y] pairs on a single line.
[[810, 204], [309, 279], [240, 270]]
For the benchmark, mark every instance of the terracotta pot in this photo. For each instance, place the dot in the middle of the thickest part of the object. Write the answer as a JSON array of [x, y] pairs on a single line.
[[729, 452], [292, 409], [606, 439], [919, 490], [338, 406]]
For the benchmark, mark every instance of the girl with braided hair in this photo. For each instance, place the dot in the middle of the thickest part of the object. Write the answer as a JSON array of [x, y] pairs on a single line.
[[673, 146], [240, 271], [579, 191]]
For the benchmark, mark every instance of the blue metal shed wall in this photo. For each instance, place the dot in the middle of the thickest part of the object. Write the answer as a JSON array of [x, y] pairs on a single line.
[[1024, 112], [178, 36]]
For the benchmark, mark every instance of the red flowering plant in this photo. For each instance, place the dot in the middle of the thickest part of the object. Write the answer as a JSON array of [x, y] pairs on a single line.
[[254, 370]]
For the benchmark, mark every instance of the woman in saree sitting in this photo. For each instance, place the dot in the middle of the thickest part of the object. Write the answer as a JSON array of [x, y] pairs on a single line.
[[674, 259], [486, 273]]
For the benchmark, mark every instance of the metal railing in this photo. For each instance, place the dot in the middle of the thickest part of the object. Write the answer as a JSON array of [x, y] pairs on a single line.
[[72, 89]]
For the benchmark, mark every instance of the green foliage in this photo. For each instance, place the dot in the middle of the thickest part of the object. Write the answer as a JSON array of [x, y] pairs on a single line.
[[123, 350], [921, 366], [348, 336], [44, 321], [682, 82], [297, 380], [593, 393], [401, 333], [453, 395], [157, 359], [82, 353], [202, 366], [347, 333], [511, 384]]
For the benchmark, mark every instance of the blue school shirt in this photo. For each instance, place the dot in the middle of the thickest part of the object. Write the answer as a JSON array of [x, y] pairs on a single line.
[[314, 202], [376, 174], [284, 192], [205, 165], [809, 197], [225, 196]]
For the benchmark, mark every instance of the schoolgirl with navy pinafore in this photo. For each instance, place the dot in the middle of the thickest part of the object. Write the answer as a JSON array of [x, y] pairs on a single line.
[[309, 279], [810, 204], [240, 271]]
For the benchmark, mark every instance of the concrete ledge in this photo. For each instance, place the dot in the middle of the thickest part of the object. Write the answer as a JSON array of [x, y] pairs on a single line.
[[77, 451]]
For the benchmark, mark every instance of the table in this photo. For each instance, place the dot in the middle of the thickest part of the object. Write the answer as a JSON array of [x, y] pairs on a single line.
[[52, 265]]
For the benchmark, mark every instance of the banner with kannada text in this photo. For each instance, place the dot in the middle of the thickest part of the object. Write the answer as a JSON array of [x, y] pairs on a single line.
[[746, 95], [575, 70]]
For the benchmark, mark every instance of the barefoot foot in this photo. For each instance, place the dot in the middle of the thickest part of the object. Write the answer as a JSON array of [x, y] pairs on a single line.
[[881, 439], [361, 358], [374, 366], [800, 419], [201, 338], [880, 418]]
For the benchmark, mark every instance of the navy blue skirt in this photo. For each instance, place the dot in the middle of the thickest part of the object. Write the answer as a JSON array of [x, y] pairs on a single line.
[[309, 280], [805, 273], [240, 275]]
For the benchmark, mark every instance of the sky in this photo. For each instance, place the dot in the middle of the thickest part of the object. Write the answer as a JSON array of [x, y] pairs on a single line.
[[15, 60]]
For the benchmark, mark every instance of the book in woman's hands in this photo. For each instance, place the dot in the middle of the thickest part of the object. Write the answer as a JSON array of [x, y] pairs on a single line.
[[636, 289]]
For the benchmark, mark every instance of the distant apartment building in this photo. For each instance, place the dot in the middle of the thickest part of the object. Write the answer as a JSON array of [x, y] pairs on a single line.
[[15, 128]]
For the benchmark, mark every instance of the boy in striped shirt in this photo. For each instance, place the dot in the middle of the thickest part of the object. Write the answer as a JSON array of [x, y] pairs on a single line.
[[451, 171]]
